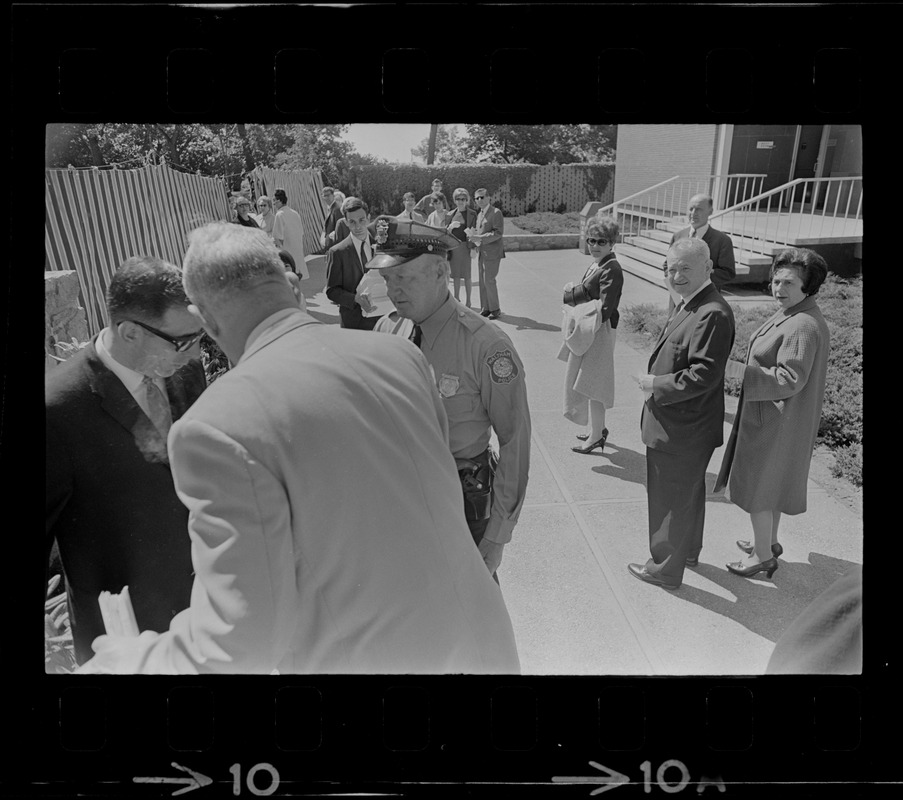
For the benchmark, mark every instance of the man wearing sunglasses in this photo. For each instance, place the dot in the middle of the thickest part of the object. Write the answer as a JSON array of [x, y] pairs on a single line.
[[111, 505]]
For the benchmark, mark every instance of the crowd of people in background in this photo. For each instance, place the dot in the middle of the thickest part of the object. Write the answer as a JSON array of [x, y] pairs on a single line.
[[300, 559]]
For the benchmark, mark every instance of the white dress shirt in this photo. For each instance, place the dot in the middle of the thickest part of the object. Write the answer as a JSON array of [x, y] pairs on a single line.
[[133, 381]]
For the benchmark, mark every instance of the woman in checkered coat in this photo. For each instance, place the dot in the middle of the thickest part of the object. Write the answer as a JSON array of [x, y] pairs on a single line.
[[770, 447]]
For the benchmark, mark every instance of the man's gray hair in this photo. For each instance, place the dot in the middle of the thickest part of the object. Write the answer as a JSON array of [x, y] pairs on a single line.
[[687, 246], [707, 197], [225, 259]]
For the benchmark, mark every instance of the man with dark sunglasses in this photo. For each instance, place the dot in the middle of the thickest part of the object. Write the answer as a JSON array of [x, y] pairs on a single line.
[[111, 505]]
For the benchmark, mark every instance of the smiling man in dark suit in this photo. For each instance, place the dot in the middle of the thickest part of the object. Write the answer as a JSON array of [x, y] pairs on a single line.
[[683, 416], [345, 267], [110, 501]]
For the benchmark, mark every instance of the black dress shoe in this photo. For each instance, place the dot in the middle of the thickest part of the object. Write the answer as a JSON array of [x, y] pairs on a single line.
[[590, 447], [640, 572], [485, 313], [747, 547], [495, 314], [768, 567], [692, 562]]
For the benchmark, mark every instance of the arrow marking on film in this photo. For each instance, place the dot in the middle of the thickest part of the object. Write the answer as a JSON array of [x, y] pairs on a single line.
[[195, 781], [612, 780]]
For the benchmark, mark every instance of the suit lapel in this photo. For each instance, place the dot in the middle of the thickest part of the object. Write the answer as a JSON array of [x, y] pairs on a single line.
[[679, 319], [119, 403]]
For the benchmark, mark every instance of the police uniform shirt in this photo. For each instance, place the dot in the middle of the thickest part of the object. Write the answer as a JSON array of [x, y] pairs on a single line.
[[480, 378]]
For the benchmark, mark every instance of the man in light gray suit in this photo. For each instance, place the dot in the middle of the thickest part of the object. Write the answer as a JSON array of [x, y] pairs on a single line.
[[490, 227]]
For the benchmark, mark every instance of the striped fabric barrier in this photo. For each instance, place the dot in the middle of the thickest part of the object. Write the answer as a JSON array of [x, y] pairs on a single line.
[[96, 219], [302, 187]]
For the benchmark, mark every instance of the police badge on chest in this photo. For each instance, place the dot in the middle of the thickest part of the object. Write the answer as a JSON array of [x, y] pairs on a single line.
[[448, 385]]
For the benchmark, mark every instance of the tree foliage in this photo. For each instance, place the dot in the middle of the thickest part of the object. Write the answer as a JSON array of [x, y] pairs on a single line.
[[539, 144], [211, 149], [449, 147]]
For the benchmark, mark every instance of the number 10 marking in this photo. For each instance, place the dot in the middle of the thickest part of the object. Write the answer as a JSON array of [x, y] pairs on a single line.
[[660, 776]]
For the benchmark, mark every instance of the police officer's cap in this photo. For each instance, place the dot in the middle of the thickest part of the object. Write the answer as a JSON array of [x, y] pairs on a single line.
[[401, 240]]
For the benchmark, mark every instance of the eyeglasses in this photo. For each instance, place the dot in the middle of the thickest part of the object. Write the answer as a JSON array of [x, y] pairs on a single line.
[[592, 242], [180, 343], [479, 197], [244, 205]]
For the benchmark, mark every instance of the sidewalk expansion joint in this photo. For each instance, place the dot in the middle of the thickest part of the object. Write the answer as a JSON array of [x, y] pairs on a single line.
[[636, 626]]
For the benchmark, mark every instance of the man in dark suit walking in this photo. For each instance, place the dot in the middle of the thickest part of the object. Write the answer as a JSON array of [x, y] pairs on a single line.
[[345, 267], [721, 248], [683, 417], [110, 501], [333, 215]]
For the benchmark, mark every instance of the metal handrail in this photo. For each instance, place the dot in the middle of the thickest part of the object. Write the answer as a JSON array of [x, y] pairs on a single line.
[[753, 205], [782, 188], [637, 194]]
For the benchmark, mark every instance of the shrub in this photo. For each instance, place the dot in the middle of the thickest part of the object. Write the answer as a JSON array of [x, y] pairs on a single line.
[[547, 222], [646, 319], [848, 463]]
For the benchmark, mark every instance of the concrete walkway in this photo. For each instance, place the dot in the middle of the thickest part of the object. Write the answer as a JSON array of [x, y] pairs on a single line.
[[575, 608]]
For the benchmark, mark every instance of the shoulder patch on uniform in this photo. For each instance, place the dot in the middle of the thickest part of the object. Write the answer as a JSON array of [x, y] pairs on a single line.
[[502, 368]]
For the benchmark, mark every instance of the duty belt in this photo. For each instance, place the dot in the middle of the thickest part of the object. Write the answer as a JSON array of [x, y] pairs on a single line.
[[476, 475]]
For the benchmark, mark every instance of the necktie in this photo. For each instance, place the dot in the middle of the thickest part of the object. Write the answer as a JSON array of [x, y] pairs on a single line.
[[158, 406], [363, 254], [416, 335], [692, 233]]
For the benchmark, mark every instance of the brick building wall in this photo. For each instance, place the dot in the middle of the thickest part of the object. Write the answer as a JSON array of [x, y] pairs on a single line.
[[648, 154]]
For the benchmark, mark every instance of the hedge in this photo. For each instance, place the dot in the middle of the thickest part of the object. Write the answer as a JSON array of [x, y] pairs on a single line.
[[514, 188]]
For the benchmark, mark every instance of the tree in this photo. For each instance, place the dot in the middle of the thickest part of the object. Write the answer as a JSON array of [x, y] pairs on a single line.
[[448, 147], [321, 147], [539, 144]]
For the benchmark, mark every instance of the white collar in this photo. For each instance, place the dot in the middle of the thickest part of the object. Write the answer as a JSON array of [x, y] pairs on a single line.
[[701, 231], [130, 379]]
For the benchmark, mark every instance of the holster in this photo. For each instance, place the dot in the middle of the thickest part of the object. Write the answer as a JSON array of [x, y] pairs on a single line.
[[477, 475]]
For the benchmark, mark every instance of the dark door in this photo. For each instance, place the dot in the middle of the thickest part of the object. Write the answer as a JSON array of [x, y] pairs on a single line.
[[806, 164]]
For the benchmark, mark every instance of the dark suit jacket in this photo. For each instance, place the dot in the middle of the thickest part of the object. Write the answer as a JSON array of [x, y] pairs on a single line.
[[686, 410], [343, 273], [339, 233], [605, 284], [332, 217], [110, 501], [494, 223], [721, 251]]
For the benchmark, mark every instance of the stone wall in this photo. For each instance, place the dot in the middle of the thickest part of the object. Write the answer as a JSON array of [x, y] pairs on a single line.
[[64, 319]]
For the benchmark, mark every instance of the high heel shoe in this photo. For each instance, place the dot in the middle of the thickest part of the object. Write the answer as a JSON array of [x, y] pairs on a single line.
[[590, 447], [747, 547], [768, 567]]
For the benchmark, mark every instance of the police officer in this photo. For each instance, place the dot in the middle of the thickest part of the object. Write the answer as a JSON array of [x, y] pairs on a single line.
[[478, 374]]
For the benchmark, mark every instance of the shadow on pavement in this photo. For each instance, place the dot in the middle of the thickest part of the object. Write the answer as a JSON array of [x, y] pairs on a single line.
[[626, 465], [527, 324], [763, 609]]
